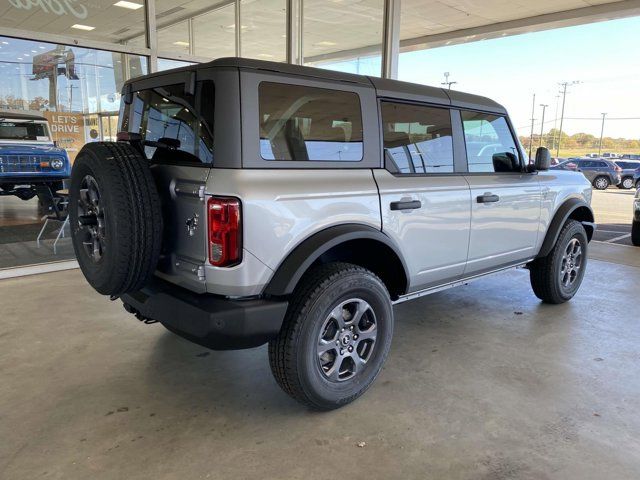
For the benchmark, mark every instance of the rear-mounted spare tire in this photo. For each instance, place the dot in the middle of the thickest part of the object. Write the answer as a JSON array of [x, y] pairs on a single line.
[[115, 217]]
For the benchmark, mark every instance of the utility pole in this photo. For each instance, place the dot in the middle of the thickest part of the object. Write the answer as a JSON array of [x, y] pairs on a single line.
[[533, 110], [446, 81], [601, 133], [544, 108], [555, 122], [564, 86]]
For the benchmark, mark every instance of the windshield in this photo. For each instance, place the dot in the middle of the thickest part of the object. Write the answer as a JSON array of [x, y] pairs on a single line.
[[24, 130]]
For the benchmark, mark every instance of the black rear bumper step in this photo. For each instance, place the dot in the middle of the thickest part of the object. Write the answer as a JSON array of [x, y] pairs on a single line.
[[208, 320]]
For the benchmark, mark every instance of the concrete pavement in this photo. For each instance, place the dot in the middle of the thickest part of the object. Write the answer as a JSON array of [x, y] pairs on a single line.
[[483, 382]]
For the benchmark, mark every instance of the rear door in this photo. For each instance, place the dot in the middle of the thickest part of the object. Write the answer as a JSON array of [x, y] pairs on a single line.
[[505, 198], [174, 116], [425, 204]]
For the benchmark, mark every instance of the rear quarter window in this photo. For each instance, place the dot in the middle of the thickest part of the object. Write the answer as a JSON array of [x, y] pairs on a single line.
[[300, 123]]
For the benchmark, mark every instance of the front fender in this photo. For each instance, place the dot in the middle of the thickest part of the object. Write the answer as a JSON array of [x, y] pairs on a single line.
[[572, 208]]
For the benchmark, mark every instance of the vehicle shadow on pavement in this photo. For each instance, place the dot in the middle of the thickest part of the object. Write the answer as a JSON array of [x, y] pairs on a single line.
[[233, 382]]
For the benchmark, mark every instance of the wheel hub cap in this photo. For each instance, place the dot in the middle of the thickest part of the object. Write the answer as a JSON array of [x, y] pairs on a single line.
[[571, 263], [346, 340], [91, 219]]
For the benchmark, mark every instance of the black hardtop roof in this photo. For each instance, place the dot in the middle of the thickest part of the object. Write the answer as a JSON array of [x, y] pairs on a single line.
[[21, 115], [384, 87]]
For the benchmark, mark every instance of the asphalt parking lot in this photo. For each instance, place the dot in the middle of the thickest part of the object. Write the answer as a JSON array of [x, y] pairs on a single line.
[[613, 211]]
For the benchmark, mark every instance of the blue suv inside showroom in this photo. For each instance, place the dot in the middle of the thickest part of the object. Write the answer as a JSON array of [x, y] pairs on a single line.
[[241, 237]]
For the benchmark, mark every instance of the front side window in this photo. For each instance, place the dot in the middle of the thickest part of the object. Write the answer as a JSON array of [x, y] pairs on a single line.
[[490, 145], [169, 124], [28, 130], [417, 139], [299, 123]]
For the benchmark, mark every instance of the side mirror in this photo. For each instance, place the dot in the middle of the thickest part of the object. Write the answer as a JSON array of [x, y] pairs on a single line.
[[543, 159]]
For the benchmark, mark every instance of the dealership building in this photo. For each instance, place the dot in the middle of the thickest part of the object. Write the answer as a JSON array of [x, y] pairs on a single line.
[[69, 58], [298, 231]]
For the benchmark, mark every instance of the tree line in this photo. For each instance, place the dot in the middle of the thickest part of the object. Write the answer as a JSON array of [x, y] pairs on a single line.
[[580, 141]]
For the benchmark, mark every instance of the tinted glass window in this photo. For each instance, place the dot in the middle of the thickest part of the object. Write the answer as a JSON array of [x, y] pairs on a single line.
[[417, 139], [490, 145], [600, 164], [309, 124], [169, 124]]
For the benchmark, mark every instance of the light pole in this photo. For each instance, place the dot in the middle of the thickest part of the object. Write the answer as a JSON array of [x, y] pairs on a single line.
[[533, 110], [555, 122], [601, 133], [446, 81], [544, 108], [564, 86]]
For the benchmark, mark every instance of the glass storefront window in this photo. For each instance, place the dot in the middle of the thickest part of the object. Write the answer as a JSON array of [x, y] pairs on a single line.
[[104, 21], [214, 33], [343, 32], [77, 90], [168, 64], [264, 28], [174, 38]]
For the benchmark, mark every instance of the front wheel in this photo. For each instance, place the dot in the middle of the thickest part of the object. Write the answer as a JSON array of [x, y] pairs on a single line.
[[557, 277], [335, 337], [627, 183], [635, 233], [601, 183]]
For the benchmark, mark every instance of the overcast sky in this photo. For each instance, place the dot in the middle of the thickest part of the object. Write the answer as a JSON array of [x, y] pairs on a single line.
[[603, 56]]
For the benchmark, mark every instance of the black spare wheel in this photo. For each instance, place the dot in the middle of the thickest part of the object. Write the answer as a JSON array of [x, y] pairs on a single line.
[[115, 216]]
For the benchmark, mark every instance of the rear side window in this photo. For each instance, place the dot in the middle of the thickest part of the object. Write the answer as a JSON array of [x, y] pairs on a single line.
[[299, 123], [490, 144], [417, 139], [172, 127]]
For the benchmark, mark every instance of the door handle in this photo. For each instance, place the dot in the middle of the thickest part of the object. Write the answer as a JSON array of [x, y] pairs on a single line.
[[405, 205], [487, 198]]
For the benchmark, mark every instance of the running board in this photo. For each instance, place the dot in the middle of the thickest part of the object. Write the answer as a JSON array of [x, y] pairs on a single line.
[[457, 283]]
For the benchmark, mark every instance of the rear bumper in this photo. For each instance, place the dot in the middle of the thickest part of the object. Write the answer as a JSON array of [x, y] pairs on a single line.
[[211, 321]]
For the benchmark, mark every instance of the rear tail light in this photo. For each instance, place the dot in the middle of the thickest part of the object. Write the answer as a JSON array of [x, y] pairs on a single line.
[[225, 232]]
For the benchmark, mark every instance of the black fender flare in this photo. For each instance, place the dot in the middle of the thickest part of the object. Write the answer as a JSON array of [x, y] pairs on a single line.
[[298, 261], [560, 218]]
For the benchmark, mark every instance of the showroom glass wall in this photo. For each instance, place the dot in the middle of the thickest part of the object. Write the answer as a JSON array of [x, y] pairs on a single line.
[[68, 59]]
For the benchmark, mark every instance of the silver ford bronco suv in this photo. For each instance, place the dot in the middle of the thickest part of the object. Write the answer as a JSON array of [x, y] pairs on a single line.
[[248, 202]]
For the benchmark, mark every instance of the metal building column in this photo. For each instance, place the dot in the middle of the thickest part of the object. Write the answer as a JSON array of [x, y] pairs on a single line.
[[391, 39], [294, 32], [152, 34]]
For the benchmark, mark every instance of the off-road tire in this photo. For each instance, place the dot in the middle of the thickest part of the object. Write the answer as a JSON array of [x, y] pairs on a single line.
[[293, 354], [601, 183], [635, 233], [544, 272], [132, 217]]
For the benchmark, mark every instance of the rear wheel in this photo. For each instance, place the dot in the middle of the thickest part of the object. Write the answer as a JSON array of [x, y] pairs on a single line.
[[601, 183], [627, 183], [335, 338], [635, 233], [557, 277]]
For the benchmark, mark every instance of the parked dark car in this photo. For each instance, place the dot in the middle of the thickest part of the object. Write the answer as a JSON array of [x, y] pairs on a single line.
[[630, 156], [600, 172], [635, 224], [565, 165], [629, 168]]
